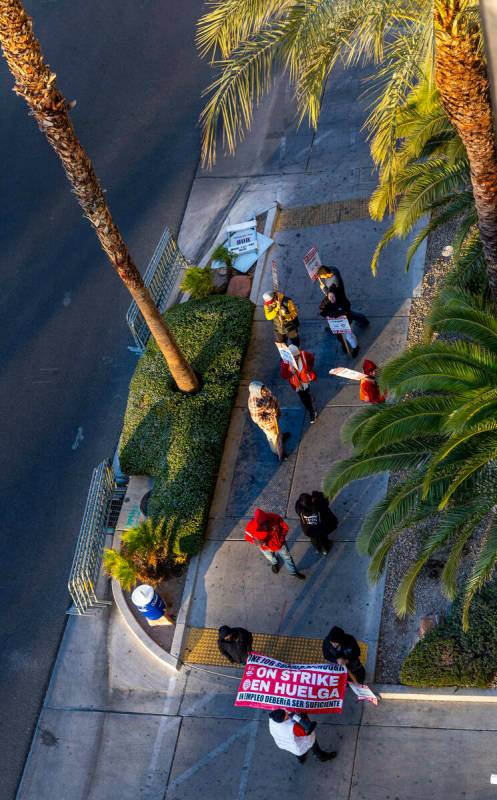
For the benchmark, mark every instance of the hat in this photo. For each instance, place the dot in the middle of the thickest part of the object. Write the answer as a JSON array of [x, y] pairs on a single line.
[[255, 387], [336, 634], [368, 367], [278, 715], [268, 298], [294, 350]]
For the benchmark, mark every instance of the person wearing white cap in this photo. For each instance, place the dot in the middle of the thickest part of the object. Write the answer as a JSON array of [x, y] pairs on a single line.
[[299, 375], [265, 412], [283, 313]]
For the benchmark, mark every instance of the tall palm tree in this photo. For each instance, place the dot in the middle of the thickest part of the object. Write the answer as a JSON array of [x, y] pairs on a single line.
[[251, 40], [441, 431], [36, 84]]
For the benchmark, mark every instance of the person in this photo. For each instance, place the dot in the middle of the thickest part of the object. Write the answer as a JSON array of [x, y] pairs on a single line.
[[234, 643], [333, 306], [344, 649], [283, 313], [317, 520], [265, 411], [369, 391], [300, 378], [331, 278], [295, 733], [268, 532]]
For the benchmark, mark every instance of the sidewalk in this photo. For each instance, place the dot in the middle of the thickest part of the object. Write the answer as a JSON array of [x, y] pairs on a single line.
[[115, 724]]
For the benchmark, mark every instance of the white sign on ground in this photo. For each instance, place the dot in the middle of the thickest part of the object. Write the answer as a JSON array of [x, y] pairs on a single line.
[[363, 692], [312, 263], [242, 238], [339, 325]]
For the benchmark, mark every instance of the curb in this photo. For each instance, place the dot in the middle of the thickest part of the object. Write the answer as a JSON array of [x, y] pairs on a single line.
[[172, 660], [451, 694]]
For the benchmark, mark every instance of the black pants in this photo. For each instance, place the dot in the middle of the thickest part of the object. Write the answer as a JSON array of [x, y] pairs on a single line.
[[357, 670], [320, 542], [321, 755], [361, 320], [305, 398], [292, 337]]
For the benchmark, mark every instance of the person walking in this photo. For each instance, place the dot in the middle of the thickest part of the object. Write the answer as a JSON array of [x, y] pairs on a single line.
[[300, 376], [331, 278], [283, 313], [317, 520], [295, 733], [234, 644], [343, 648], [333, 306], [369, 391], [268, 532], [265, 411]]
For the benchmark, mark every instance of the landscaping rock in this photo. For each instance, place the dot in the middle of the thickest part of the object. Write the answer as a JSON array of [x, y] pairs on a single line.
[[220, 279], [239, 286]]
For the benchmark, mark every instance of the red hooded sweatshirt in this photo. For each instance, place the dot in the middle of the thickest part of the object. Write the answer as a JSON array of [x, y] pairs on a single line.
[[271, 539]]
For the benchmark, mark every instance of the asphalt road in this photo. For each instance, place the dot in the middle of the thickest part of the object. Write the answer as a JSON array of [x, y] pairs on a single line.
[[132, 68]]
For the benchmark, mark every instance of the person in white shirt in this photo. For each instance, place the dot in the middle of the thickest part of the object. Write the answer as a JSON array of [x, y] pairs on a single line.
[[295, 733]]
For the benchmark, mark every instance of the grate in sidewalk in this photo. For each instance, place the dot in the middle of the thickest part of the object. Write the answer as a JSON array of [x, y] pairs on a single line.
[[324, 214], [201, 648]]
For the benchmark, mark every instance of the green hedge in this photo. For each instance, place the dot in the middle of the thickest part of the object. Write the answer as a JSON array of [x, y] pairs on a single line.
[[449, 657], [176, 438]]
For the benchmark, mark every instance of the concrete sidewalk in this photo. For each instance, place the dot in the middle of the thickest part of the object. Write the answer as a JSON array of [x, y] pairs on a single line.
[[115, 723]]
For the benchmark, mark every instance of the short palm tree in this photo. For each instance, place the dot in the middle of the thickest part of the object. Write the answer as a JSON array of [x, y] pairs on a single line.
[[440, 40], [35, 82], [441, 433]]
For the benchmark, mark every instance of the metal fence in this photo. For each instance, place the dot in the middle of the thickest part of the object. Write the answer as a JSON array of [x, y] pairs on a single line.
[[160, 278], [101, 507]]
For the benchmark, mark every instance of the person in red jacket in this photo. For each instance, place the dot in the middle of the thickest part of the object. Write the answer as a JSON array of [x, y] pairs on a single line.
[[301, 378], [369, 391], [268, 532]]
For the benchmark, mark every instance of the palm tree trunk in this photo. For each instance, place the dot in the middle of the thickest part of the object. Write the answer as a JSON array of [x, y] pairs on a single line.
[[36, 83], [462, 81]]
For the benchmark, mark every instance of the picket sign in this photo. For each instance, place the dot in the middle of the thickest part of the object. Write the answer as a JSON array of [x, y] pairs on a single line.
[[339, 325], [286, 355], [344, 372], [316, 688], [363, 692], [312, 263], [274, 272]]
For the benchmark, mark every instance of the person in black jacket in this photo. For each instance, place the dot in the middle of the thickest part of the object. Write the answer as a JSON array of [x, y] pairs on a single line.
[[334, 305], [330, 278], [234, 644], [316, 519], [343, 648]]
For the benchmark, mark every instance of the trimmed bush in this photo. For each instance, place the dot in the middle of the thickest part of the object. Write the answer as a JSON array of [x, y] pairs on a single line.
[[177, 438], [449, 657], [197, 281]]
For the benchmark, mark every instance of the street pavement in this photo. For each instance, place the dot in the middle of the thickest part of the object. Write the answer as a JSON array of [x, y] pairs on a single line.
[[115, 722], [132, 69]]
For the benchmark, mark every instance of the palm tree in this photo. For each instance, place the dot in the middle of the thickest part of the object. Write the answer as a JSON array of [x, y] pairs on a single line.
[[427, 175], [36, 84], [410, 40], [442, 434]]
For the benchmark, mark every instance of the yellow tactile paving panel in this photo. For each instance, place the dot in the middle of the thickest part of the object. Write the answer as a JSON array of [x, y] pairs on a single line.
[[323, 214], [201, 648]]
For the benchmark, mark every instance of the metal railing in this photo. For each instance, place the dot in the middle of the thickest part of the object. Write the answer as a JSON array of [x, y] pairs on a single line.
[[85, 570], [160, 278]]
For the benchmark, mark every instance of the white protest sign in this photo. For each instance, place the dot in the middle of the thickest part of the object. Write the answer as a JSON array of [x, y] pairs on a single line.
[[274, 272], [242, 238], [363, 692], [286, 355], [339, 324], [344, 372], [312, 263]]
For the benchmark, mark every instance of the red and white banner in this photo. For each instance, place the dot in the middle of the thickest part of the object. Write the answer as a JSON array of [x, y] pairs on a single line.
[[312, 263], [317, 688]]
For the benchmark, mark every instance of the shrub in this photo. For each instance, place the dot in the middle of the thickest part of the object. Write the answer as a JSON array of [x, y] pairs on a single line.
[[449, 657], [177, 438], [221, 253], [197, 281], [143, 558]]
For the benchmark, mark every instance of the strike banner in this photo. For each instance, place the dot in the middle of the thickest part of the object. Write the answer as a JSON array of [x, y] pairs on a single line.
[[312, 263], [317, 688]]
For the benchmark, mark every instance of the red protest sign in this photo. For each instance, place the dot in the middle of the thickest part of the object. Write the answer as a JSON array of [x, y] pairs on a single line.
[[312, 263], [317, 688]]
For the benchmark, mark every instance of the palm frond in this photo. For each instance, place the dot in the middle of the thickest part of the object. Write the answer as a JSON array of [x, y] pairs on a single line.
[[227, 23], [482, 570], [464, 203]]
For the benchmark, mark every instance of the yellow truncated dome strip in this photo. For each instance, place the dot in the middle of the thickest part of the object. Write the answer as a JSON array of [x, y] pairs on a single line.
[[201, 648]]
